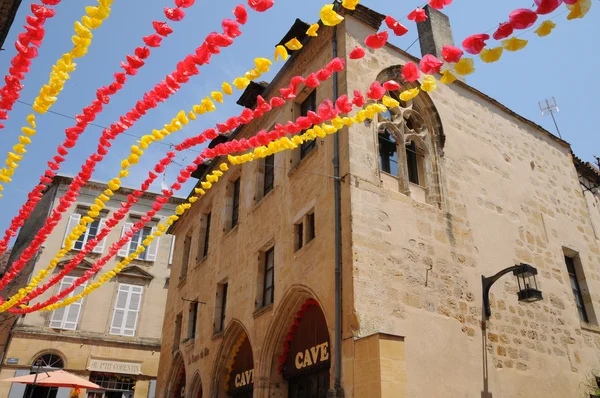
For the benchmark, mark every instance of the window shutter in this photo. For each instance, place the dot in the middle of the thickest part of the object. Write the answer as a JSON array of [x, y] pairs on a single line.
[[58, 316], [118, 320], [74, 310], [153, 248], [172, 249], [73, 221], [124, 252], [133, 309], [100, 246]]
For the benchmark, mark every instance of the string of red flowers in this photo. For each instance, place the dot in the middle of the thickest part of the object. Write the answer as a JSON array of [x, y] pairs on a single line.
[[161, 92], [292, 331], [131, 66], [262, 107], [27, 45]]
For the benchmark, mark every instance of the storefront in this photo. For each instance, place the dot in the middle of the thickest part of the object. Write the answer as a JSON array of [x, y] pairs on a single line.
[[116, 378], [239, 381], [306, 358]]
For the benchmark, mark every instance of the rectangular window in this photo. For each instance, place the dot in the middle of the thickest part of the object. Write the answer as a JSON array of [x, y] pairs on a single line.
[[93, 229], [185, 258], [206, 235], [235, 209], [192, 320], [412, 163], [127, 308], [67, 317], [177, 335], [575, 287], [388, 153], [269, 176], [309, 104], [269, 273], [136, 241], [304, 230], [221, 307]]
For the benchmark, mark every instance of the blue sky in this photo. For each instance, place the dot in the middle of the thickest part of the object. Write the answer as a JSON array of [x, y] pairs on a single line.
[[560, 65]]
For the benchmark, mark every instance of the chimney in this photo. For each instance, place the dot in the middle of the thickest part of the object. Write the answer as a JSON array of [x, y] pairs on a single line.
[[435, 32]]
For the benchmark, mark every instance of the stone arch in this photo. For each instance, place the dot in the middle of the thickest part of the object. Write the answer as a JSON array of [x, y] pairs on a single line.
[[175, 376], [232, 333], [416, 121], [272, 346], [196, 387], [54, 352]]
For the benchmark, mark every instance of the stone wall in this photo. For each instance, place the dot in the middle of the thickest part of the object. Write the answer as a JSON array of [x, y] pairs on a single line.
[[510, 194]]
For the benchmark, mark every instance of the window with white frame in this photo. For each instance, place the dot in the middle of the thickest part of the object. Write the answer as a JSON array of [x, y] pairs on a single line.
[[67, 317], [127, 309], [93, 229], [151, 252]]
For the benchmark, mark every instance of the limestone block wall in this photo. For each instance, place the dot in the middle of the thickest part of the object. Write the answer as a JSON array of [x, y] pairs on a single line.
[[510, 194]]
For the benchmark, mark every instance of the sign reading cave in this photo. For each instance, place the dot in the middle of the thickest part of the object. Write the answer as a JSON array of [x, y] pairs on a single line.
[[310, 348], [242, 371]]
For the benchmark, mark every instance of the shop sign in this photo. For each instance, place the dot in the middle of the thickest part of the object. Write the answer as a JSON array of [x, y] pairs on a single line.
[[101, 365], [242, 369], [244, 379], [312, 356]]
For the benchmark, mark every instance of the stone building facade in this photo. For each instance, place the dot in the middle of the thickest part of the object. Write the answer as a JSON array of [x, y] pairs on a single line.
[[112, 336], [438, 192]]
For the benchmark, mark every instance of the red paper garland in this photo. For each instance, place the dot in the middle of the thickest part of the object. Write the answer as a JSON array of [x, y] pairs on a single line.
[[160, 93], [21, 62]]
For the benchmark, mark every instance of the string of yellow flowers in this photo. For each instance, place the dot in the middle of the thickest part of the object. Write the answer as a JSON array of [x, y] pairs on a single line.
[[262, 65], [59, 75], [276, 146]]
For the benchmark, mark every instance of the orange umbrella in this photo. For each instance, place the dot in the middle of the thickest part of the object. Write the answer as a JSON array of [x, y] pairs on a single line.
[[57, 378]]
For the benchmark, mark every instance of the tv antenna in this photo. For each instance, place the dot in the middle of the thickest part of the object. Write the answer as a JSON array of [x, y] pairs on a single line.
[[550, 108]]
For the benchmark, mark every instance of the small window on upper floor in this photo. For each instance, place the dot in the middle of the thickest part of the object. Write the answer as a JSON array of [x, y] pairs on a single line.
[[93, 229], [192, 320], [304, 230], [67, 318], [302, 108], [266, 278], [265, 177], [388, 153], [579, 287], [185, 256], [233, 204], [220, 307], [204, 236], [127, 308], [139, 235]]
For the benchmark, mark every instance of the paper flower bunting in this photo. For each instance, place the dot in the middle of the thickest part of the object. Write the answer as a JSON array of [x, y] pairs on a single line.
[[261, 5], [395, 26], [546, 6], [464, 66], [578, 9], [545, 28], [475, 43], [312, 30], [514, 44], [418, 15], [447, 77], [430, 64], [493, 55], [329, 17], [377, 40], [451, 53], [280, 52], [504, 30], [391, 85], [350, 4], [429, 84], [439, 4], [410, 72], [409, 94], [293, 44], [357, 53], [522, 18]]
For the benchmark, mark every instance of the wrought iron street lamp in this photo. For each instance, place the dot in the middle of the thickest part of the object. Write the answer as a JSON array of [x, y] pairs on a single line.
[[526, 281]]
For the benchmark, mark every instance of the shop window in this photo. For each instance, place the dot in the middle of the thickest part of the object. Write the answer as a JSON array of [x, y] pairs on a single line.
[[90, 233], [204, 238], [579, 287], [151, 252], [266, 276], [185, 255], [221, 307], [192, 320], [304, 230], [67, 318], [114, 385], [126, 311]]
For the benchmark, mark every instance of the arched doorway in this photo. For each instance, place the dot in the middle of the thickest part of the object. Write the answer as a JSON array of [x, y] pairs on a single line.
[[44, 363], [306, 359], [197, 386], [178, 389], [239, 378]]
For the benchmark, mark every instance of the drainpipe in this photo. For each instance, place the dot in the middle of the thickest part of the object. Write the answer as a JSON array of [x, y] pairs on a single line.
[[337, 390]]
